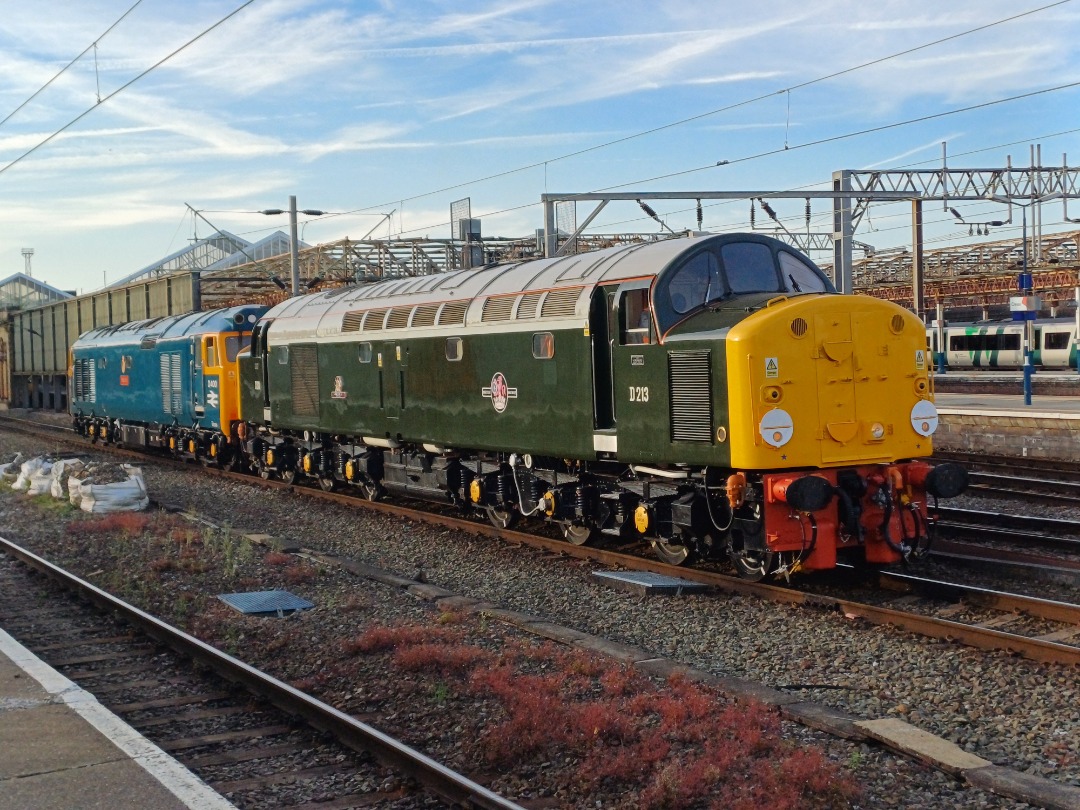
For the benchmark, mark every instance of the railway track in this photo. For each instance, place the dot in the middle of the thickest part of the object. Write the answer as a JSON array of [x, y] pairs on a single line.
[[256, 740], [1026, 479], [948, 626]]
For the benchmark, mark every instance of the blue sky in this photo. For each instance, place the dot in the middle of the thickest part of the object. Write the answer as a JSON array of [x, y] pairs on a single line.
[[367, 108]]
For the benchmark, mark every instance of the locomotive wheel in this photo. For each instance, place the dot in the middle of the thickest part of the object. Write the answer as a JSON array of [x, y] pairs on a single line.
[[288, 476], [371, 491], [501, 517], [753, 565], [576, 535], [327, 483], [674, 552], [265, 472]]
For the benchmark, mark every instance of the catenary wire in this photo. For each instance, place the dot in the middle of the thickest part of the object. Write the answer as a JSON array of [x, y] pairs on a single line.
[[64, 69], [126, 85]]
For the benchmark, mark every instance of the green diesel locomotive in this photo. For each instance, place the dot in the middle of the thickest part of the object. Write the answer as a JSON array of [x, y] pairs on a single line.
[[712, 395]]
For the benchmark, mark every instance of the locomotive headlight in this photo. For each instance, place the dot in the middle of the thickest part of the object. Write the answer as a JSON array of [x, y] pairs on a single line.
[[776, 427], [924, 417], [877, 431]]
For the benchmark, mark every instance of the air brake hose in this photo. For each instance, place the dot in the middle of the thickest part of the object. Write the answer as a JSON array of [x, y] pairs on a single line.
[[902, 549]]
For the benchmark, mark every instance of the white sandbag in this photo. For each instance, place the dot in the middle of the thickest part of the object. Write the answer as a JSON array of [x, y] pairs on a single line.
[[41, 481], [121, 496], [62, 471], [74, 486], [26, 472], [10, 471]]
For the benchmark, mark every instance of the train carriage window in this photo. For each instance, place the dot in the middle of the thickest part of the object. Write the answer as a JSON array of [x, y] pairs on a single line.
[[543, 345], [454, 349], [800, 277], [1056, 340], [749, 267], [283, 355], [364, 352]]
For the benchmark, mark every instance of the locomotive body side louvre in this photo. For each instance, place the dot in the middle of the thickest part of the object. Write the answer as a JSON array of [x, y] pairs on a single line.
[[690, 391]]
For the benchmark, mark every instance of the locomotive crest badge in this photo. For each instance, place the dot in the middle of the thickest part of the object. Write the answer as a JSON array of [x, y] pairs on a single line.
[[499, 392]]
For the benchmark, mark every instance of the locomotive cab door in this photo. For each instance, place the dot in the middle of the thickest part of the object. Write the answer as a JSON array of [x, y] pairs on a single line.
[[195, 365], [636, 373], [600, 320]]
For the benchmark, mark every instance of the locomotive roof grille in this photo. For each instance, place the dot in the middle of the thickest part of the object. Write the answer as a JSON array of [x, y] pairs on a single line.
[[560, 303], [398, 318], [453, 313], [373, 320], [499, 308], [528, 304], [424, 315]]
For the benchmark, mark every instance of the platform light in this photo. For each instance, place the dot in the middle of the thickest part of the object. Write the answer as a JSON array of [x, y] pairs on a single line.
[[294, 251]]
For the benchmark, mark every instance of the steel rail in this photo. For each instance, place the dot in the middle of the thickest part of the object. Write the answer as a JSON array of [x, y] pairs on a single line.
[[978, 637], [437, 778], [986, 597]]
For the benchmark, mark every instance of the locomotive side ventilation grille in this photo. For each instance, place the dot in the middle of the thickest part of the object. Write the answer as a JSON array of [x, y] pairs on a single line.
[[527, 307], [352, 321], [85, 380], [690, 390], [453, 313], [170, 383], [425, 315], [373, 319], [560, 303], [399, 318], [498, 309], [304, 375]]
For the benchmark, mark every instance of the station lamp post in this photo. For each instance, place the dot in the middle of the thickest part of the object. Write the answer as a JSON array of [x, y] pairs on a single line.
[[294, 249]]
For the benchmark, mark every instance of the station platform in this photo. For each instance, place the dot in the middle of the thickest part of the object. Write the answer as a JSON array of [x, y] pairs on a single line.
[[62, 750], [1001, 424]]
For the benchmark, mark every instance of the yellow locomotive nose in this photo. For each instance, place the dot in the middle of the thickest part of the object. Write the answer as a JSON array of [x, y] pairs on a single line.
[[822, 383]]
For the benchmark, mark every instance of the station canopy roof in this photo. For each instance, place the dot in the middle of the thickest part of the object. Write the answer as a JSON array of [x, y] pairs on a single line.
[[220, 251], [21, 291]]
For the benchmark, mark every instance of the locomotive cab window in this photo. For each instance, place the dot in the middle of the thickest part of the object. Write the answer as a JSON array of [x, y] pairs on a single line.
[[234, 345], [696, 282], [543, 345], [211, 352], [635, 318], [364, 353], [800, 277], [749, 267], [454, 349]]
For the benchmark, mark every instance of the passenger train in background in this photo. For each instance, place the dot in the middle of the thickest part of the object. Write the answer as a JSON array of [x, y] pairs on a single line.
[[711, 396], [1000, 344]]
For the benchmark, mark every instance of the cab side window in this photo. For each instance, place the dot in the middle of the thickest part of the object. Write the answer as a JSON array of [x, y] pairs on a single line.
[[635, 318]]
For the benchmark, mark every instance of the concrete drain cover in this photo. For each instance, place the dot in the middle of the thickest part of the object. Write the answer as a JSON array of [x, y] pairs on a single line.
[[266, 603], [644, 582]]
